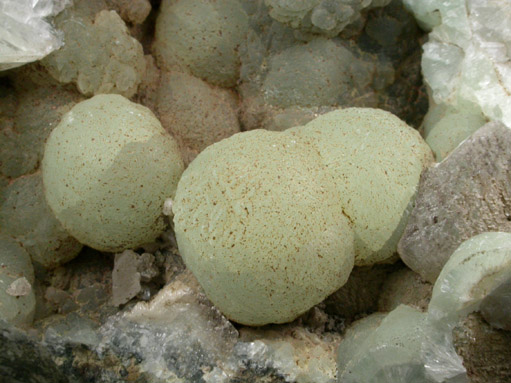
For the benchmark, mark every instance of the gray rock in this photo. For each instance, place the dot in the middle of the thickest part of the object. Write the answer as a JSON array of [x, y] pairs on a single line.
[[24, 360], [496, 307], [404, 287], [466, 194]]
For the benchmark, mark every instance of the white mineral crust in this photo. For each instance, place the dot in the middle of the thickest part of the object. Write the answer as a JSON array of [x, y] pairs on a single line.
[[467, 57], [25, 33]]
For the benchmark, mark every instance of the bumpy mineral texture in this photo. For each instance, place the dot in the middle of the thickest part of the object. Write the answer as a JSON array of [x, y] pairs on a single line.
[[467, 194], [99, 55]]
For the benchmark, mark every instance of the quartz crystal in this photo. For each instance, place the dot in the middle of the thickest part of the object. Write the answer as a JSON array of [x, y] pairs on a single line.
[[456, 200], [467, 56], [25, 215], [26, 34], [259, 223]]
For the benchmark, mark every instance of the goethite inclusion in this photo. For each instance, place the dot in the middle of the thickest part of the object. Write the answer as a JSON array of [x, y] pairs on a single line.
[[175, 174]]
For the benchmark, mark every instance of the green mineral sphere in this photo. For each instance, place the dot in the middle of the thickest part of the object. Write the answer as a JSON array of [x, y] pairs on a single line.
[[203, 37], [259, 223], [376, 160], [107, 169]]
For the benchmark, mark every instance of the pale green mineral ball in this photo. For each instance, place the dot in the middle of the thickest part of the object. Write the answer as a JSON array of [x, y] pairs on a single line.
[[17, 299], [259, 223], [202, 36], [107, 169], [376, 160]]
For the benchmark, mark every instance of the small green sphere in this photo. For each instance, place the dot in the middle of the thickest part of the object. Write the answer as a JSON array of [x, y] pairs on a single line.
[[259, 223], [107, 169], [376, 160]]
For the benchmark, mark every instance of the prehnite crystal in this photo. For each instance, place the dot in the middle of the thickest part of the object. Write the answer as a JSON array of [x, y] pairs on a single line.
[[99, 56], [259, 223], [25, 216], [375, 160], [202, 37], [195, 113], [107, 169], [466, 194], [17, 306]]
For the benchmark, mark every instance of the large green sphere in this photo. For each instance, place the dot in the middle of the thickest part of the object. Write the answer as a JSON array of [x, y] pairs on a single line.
[[107, 169], [376, 160], [259, 223]]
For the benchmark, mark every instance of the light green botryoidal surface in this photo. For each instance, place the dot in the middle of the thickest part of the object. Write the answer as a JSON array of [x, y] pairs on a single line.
[[466, 56], [202, 37], [376, 161], [195, 113], [107, 169], [17, 299], [28, 112], [25, 216], [99, 55], [259, 223], [321, 17], [410, 346]]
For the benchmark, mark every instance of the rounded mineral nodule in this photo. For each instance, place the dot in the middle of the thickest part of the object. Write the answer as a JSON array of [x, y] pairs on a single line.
[[259, 223], [17, 299], [203, 37], [107, 169], [376, 160]]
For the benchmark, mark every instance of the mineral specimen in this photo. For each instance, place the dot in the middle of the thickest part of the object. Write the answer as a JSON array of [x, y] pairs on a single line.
[[16, 306], [467, 194], [466, 57], [376, 161], [107, 169], [26, 35], [25, 216], [29, 109], [99, 55], [476, 269], [445, 127], [258, 222], [195, 113], [324, 17], [202, 37], [389, 353], [404, 287]]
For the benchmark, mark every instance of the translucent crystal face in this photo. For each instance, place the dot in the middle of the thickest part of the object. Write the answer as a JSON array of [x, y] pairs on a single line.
[[110, 164]]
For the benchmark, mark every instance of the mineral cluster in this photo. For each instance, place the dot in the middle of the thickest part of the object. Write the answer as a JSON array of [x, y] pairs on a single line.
[[235, 191]]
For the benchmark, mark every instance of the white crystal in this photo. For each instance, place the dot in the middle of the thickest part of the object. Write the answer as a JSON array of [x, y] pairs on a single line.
[[467, 56], [19, 288], [25, 34]]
